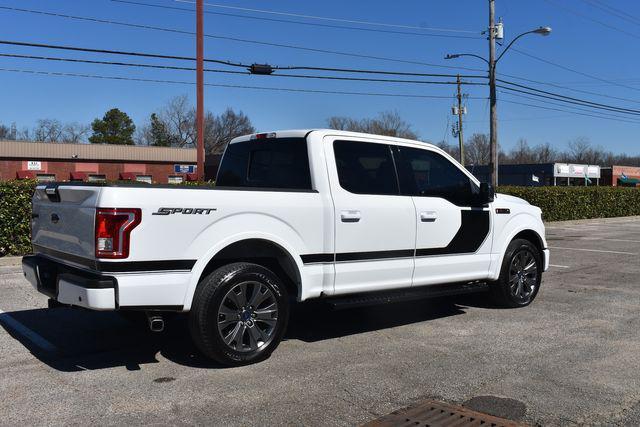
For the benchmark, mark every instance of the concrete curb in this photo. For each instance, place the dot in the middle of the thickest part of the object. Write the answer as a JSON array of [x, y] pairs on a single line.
[[617, 219], [10, 261]]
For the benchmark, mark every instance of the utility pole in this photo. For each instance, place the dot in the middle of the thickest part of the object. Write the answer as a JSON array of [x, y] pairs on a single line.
[[200, 88], [493, 126], [460, 112]]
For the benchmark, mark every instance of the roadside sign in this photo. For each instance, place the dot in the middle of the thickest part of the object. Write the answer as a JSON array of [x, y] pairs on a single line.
[[184, 168], [34, 165]]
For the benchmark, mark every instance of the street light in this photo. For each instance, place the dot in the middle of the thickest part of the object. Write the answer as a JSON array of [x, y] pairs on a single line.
[[491, 63]]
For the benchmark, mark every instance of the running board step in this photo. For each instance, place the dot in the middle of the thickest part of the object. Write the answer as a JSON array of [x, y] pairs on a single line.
[[433, 291]]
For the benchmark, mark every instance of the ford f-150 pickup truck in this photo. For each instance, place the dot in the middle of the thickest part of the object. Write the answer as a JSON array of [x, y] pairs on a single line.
[[294, 215]]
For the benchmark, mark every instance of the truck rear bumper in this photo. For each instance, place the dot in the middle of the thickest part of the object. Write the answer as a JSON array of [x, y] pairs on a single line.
[[69, 285]]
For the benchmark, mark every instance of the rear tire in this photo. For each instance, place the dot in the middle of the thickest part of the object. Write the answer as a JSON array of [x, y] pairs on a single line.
[[239, 314], [520, 275]]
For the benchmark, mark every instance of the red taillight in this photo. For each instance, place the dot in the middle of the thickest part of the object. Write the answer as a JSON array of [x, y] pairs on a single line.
[[113, 226]]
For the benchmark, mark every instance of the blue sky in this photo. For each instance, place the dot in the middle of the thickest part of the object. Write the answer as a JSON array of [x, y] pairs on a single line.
[[585, 38]]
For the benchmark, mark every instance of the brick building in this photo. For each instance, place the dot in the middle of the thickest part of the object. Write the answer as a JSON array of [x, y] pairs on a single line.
[[95, 162], [622, 176]]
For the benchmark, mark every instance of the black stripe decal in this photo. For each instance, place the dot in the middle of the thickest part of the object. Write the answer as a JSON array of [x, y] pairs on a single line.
[[151, 308], [316, 258], [129, 266], [361, 256], [117, 267], [473, 231]]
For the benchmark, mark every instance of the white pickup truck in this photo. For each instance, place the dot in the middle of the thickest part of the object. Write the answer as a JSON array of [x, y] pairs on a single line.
[[295, 215]]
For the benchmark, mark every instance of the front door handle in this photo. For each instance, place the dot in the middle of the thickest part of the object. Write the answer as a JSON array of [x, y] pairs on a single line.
[[429, 216], [350, 216]]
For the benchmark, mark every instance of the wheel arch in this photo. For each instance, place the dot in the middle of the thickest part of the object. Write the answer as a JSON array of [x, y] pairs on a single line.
[[258, 250], [520, 226]]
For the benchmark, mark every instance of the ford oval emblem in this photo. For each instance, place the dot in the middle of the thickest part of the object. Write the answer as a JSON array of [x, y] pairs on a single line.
[[55, 218]]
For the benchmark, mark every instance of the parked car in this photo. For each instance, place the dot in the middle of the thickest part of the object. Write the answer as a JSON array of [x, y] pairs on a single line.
[[295, 215]]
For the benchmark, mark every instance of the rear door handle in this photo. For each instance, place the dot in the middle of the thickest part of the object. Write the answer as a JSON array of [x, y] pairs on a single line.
[[350, 216], [429, 216]]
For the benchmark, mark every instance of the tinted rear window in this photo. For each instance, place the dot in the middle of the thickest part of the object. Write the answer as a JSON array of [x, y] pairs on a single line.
[[281, 163]]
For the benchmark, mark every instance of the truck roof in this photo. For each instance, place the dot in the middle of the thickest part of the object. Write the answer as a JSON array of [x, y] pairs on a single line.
[[301, 133]]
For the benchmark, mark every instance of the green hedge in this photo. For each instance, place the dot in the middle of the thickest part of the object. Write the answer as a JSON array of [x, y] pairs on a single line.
[[568, 203], [557, 204], [15, 216]]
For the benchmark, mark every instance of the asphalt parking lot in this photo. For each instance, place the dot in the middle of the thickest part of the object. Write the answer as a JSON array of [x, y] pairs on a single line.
[[570, 358]]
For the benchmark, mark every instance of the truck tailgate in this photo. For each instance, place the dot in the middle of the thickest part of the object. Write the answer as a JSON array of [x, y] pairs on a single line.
[[64, 219]]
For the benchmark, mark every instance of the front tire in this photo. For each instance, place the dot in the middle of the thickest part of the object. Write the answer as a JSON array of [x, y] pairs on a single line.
[[239, 314], [520, 275]]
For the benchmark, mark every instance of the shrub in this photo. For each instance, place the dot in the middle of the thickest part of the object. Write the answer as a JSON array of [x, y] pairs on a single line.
[[15, 216], [568, 203], [557, 204]]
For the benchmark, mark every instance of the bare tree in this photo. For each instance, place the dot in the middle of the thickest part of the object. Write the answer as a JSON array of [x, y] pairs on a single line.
[[75, 133], [340, 122], [219, 130], [388, 123], [175, 126], [578, 149], [544, 153], [48, 130], [521, 153], [451, 149], [477, 149], [8, 132]]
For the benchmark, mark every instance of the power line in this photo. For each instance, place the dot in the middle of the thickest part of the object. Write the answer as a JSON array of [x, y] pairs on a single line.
[[563, 101], [234, 64], [559, 86], [117, 52], [567, 111], [570, 107], [588, 18], [324, 18], [563, 105], [150, 55], [236, 39], [266, 88], [591, 76], [170, 67], [613, 11], [567, 98], [287, 21], [123, 64]]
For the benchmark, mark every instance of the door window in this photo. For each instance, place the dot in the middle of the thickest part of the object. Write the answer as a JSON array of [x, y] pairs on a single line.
[[365, 168], [429, 174]]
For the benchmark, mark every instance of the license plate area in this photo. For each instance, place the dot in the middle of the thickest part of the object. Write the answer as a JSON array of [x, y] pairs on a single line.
[[47, 273]]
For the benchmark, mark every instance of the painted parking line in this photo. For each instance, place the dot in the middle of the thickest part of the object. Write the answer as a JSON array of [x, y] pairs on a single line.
[[593, 250], [7, 320], [558, 266], [610, 240]]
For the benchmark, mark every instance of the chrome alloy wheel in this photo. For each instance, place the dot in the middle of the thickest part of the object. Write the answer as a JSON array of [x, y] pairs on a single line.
[[247, 316], [523, 275]]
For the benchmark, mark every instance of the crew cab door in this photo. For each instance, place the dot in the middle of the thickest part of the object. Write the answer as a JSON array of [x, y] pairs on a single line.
[[452, 231], [374, 225]]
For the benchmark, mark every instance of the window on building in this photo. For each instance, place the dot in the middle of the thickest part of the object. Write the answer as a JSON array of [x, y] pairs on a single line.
[[97, 178], [365, 167], [144, 178], [46, 177], [429, 174], [175, 179], [266, 163]]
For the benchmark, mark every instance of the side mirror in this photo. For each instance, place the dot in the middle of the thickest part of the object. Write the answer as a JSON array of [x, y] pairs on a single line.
[[487, 194]]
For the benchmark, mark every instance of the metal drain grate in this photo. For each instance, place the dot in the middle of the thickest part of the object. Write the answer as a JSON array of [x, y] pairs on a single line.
[[439, 414]]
